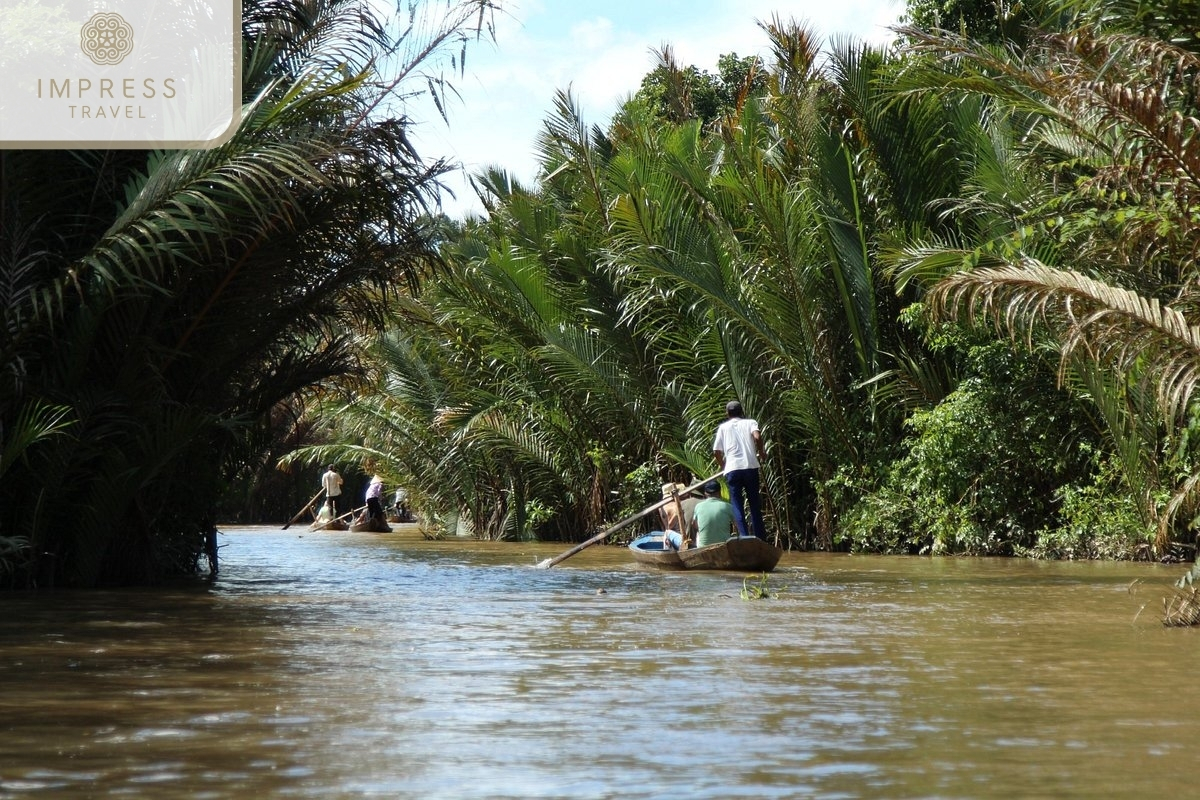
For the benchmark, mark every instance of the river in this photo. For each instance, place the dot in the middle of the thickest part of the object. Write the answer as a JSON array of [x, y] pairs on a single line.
[[344, 665]]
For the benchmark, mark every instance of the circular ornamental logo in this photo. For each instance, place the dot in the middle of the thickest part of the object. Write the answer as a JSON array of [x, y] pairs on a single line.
[[106, 38]]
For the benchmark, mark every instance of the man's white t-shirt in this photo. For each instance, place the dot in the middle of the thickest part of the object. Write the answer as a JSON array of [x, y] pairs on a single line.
[[332, 483], [735, 438]]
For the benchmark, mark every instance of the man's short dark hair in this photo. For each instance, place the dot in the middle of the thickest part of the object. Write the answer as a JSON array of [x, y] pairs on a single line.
[[733, 408]]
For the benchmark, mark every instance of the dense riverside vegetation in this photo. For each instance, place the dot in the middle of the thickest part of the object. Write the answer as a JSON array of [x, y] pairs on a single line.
[[954, 280], [164, 313]]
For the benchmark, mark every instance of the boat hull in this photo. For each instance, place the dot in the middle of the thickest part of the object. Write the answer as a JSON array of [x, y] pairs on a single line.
[[370, 526], [740, 554], [746, 554]]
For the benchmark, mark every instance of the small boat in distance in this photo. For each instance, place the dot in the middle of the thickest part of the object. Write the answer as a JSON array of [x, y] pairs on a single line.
[[737, 554], [369, 525]]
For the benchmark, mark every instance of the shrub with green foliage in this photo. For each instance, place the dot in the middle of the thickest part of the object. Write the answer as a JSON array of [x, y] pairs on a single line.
[[1098, 520], [983, 469]]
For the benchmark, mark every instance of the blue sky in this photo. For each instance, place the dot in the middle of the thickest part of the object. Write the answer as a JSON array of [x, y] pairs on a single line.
[[601, 51]]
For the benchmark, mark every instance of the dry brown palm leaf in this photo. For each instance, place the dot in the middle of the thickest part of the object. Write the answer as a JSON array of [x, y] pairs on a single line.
[[1182, 607], [1115, 327]]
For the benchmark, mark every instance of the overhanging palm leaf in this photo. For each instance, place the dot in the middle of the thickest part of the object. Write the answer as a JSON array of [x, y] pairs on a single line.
[[33, 423], [220, 283], [1112, 326]]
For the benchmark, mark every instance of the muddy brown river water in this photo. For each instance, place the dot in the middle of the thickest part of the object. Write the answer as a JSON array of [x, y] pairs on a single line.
[[341, 665]]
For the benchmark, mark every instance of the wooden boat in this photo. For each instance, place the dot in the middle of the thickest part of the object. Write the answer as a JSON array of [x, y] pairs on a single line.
[[370, 526], [650, 549], [744, 554], [741, 554], [328, 525]]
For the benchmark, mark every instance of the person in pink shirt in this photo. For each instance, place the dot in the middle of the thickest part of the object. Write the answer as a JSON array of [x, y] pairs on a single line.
[[375, 499]]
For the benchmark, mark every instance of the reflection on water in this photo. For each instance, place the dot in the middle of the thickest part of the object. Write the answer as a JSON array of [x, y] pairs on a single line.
[[327, 665]]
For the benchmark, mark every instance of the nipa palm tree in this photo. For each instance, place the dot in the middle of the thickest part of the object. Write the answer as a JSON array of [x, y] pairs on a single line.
[[1103, 264], [175, 298]]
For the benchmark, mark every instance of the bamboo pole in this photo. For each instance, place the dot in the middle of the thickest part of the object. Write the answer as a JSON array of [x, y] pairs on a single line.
[[350, 513], [300, 513]]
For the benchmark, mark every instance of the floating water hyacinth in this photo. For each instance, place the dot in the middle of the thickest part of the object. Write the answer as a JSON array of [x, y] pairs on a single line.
[[760, 591]]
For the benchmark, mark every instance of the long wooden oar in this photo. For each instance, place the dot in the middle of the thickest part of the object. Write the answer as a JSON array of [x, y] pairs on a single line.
[[599, 537], [350, 513], [338, 519], [300, 513]]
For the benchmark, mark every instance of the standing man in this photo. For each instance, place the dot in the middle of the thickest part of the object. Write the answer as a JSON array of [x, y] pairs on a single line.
[[332, 483], [737, 449]]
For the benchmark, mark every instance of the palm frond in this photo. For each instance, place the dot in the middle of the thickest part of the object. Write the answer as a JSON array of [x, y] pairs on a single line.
[[1115, 327]]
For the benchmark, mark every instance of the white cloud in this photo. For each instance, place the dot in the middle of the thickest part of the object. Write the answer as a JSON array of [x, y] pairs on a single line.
[[591, 34], [509, 88]]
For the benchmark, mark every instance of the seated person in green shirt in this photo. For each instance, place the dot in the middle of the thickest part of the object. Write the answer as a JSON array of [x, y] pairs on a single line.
[[712, 519]]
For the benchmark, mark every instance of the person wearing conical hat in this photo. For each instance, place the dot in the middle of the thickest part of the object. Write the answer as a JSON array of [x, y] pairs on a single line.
[[375, 499]]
